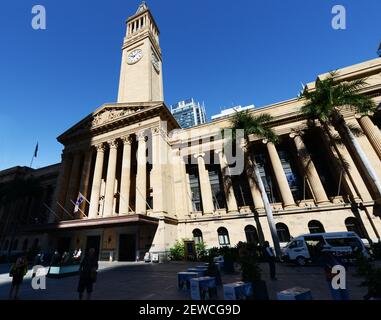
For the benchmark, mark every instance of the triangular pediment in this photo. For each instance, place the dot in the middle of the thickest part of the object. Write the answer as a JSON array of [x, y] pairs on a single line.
[[109, 116], [109, 113]]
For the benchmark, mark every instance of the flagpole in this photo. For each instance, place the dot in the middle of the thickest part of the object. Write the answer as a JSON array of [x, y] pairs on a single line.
[[84, 198], [124, 200], [65, 210], [78, 208], [143, 198], [31, 161], [51, 210], [34, 155]]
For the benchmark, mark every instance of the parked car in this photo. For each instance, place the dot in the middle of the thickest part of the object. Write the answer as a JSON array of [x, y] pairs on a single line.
[[147, 257], [306, 248]]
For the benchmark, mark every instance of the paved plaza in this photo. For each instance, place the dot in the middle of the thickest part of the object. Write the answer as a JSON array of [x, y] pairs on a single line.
[[140, 281]]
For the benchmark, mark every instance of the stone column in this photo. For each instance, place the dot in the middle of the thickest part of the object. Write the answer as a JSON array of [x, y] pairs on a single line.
[[206, 188], [227, 182], [310, 170], [125, 176], [97, 180], [141, 175], [159, 180], [84, 185], [280, 176], [61, 189], [72, 191], [372, 132], [355, 182], [110, 179]]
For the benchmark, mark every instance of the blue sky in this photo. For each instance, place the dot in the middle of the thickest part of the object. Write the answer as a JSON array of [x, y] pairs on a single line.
[[222, 52]]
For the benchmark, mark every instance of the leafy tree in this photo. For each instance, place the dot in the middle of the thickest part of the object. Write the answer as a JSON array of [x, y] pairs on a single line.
[[177, 252]]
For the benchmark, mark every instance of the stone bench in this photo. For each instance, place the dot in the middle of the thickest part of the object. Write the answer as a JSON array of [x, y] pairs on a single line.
[[237, 290], [183, 279], [203, 288], [295, 293]]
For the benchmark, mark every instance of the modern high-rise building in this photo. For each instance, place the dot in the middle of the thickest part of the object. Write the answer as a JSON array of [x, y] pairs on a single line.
[[189, 113]]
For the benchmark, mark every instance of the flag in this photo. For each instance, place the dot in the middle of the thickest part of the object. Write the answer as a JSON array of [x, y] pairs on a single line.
[[36, 150], [80, 199]]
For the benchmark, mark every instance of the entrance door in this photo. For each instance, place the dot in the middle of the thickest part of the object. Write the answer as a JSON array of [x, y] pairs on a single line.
[[127, 247], [93, 242]]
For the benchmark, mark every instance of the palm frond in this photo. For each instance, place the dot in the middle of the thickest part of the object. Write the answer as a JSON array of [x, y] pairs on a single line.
[[257, 125], [331, 95]]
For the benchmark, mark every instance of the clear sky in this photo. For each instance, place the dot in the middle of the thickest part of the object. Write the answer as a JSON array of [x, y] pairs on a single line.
[[222, 52]]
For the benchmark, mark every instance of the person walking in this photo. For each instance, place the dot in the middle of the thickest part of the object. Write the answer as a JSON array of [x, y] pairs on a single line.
[[270, 257], [87, 274], [17, 272]]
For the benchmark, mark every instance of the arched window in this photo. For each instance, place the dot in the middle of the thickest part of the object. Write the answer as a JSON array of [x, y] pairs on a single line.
[[25, 245], [251, 234], [283, 233], [223, 236], [197, 236], [315, 226], [353, 225], [15, 244]]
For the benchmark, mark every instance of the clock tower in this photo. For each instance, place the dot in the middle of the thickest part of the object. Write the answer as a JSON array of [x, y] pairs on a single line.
[[141, 77]]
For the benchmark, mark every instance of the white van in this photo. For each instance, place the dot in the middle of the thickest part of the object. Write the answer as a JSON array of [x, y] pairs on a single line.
[[306, 247]]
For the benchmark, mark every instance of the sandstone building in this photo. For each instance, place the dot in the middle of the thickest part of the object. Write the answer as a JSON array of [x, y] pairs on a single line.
[[147, 183]]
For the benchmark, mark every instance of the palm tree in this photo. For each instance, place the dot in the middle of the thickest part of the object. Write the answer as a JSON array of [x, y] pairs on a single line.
[[327, 101], [257, 125]]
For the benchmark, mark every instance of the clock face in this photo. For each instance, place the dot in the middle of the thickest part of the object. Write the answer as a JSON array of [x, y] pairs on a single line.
[[134, 56], [155, 62]]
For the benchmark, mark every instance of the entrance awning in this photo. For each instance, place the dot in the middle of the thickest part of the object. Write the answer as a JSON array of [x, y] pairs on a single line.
[[133, 219]]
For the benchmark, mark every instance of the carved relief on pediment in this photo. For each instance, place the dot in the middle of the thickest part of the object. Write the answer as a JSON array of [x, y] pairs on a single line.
[[110, 115]]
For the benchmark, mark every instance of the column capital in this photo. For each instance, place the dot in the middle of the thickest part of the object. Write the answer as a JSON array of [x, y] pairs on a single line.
[[113, 144], [141, 135], [295, 134], [245, 146], [218, 151], [359, 115], [126, 139], [159, 131], [155, 130], [100, 147], [198, 155]]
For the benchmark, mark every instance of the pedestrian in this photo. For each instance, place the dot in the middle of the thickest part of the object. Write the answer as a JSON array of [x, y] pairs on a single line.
[[87, 274], [270, 257], [56, 258], [17, 272], [328, 261]]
